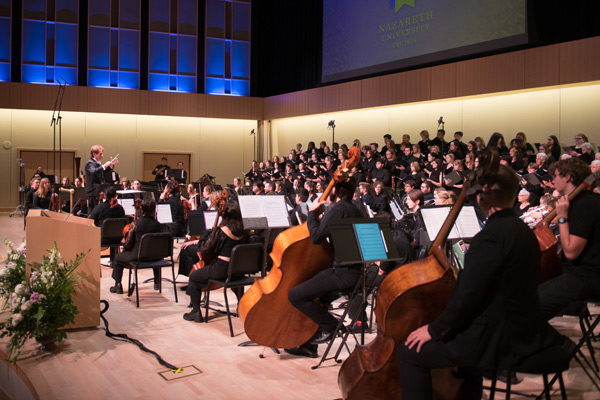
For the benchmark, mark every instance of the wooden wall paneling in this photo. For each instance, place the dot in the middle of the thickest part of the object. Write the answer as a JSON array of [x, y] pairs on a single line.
[[490, 74], [542, 66], [228, 107], [370, 92], [81, 98], [315, 100], [38, 97], [580, 61], [120, 101], [412, 86], [345, 96], [258, 108], [386, 96], [175, 104], [443, 81]]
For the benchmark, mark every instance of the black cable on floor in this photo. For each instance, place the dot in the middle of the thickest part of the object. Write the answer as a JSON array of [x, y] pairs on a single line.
[[123, 337]]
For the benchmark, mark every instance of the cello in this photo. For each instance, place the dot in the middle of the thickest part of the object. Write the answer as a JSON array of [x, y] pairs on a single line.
[[269, 318], [409, 297]]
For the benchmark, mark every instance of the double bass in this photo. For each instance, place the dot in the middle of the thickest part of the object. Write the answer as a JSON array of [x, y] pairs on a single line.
[[411, 296], [269, 318]]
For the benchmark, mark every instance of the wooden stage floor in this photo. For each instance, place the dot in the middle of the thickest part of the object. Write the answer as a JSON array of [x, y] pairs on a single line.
[[90, 365]]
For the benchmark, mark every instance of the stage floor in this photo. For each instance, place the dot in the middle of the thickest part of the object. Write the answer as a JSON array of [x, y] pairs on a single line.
[[90, 365]]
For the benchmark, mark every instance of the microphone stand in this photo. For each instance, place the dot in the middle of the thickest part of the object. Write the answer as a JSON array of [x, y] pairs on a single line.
[[21, 207], [253, 134], [57, 119]]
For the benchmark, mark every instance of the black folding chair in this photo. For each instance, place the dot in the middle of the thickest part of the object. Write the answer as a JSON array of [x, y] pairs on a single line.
[[246, 259], [156, 251], [111, 235]]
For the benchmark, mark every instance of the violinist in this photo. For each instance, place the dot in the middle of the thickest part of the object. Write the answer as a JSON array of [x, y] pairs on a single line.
[[219, 243], [193, 197], [493, 318], [43, 195], [172, 196], [108, 209], [579, 226], [323, 285], [147, 223]]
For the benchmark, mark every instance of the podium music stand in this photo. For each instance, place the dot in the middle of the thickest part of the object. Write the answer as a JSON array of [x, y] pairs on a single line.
[[73, 235], [359, 241]]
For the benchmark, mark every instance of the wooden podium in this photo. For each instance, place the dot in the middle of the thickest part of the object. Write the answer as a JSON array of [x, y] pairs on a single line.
[[73, 235]]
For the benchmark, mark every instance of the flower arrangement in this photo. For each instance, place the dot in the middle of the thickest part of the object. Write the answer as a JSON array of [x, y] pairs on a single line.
[[40, 305]]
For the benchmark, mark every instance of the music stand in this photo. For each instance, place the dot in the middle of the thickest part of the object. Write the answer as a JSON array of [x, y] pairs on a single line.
[[363, 240]]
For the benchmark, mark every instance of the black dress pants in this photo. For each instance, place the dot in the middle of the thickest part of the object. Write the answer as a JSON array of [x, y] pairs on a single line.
[[323, 286]]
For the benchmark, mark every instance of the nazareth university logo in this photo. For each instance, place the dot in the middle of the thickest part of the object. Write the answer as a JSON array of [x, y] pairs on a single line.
[[397, 4]]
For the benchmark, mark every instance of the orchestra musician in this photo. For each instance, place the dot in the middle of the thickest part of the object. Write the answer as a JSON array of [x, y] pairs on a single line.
[[331, 280], [493, 319], [34, 184], [181, 173], [172, 196], [94, 172], [579, 226], [161, 170], [43, 195], [147, 223], [219, 243], [110, 208]]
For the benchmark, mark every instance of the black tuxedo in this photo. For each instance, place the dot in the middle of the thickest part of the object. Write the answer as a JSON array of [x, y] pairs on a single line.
[[94, 173]]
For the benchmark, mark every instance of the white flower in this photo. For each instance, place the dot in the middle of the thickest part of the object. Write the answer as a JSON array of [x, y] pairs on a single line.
[[16, 318], [20, 289], [26, 306]]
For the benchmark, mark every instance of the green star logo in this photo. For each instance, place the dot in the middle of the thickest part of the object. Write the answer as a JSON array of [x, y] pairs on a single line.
[[397, 4]]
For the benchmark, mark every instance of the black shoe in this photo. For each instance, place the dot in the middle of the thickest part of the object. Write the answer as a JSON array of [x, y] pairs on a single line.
[[306, 350], [193, 316], [118, 289], [190, 305], [503, 377], [322, 336], [184, 288], [131, 290], [156, 286]]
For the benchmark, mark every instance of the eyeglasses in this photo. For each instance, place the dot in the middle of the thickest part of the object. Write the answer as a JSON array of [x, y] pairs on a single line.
[[578, 138]]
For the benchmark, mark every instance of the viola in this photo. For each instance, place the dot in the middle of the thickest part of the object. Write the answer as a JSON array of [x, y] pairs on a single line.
[[269, 318], [138, 207]]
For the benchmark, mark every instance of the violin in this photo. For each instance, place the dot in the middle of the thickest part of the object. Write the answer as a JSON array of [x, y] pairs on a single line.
[[268, 316], [138, 207]]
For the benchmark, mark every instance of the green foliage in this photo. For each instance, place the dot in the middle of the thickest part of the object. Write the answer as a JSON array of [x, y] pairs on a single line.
[[38, 305]]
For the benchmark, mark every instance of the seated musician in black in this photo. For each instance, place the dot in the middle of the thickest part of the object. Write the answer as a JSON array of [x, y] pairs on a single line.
[[334, 279], [218, 245], [579, 226], [42, 197], [109, 209], [147, 223], [34, 184], [493, 319], [172, 197]]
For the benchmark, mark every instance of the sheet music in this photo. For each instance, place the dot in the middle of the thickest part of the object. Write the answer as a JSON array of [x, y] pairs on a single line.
[[264, 212], [163, 213], [128, 205], [209, 219], [395, 210], [370, 242], [465, 226]]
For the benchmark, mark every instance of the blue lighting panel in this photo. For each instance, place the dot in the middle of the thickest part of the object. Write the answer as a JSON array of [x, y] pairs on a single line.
[[159, 52], [186, 84], [186, 54], [4, 72], [188, 17], [99, 48], [215, 57], [158, 82], [129, 50], [240, 88], [66, 44], [98, 78], [5, 39], [159, 15], [34, 74], [129, 80], [214, 86], [70, 74], [50, 75], [34, 42], [240, 63]]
